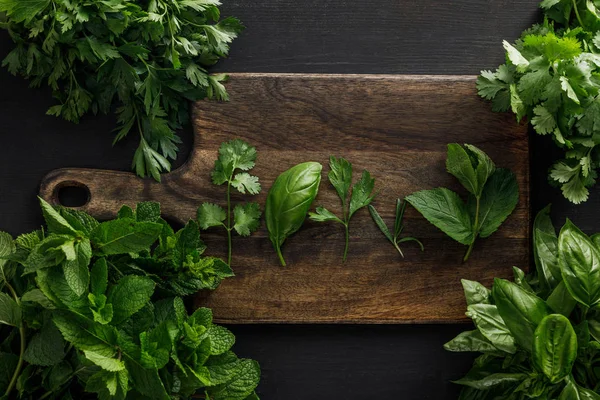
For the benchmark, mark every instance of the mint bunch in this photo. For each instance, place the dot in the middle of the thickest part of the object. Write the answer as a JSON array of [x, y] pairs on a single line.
[[96, 307]]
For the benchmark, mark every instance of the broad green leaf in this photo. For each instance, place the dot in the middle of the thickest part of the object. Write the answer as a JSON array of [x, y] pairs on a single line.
[[50, 252], [79, 220], [362, 193], [10, 312], [460, 164], [210, 215], [521, 279], [340, 176], [37, 296], [498, 200], [521, 310], [106, 363], [85, 334], [146, 381], [126, 212], [470, 341], [244, 381], [221, 339], [246, 218], [475, 292], [572, 391], [188, 244], [490, 324], [545, 250], [109, 385], [77, 273], [492, 380], [129, 295], [444, 209], [46, 347], [52, 281], [56, 223], [484, 166], [122, 236], [99, 277], [148, 211], [555, 347], [561, 301], [580, 264]]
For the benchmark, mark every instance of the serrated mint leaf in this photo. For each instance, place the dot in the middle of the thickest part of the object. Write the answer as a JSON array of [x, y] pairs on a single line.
[[498, 200], [49, 252], [106, 363], [444, 209], [129, 295], [246, 218], [322, 214], [46, 347], [10, 312], [221, 339], [37, 296], [245, 182], [55, 222], [188, 244], [460, 164], [148, 211], [126, 212], [122, 236], [77, 273], [210, 215], [7, 247], [113, 385], [79, 220], [146, 381], [99, 277], [245, 380], [85, 334]]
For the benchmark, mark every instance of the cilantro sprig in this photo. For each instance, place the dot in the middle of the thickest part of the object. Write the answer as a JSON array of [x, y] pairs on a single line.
[[550, 77], [340, 177], [235, 155], [93, 309], [144, 60], [493, 195]]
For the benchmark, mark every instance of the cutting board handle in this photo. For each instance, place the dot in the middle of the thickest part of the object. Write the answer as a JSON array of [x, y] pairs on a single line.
[[107, 191]]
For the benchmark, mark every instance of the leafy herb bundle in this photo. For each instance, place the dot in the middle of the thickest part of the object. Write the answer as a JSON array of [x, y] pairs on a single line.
[[539, 335], [394, 237], [94, 307], [340, 177], [550, 77], [493, 195], [233, 156], [147, 60]]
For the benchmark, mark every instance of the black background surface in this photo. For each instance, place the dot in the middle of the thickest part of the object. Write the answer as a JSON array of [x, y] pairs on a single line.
[[335, 36]]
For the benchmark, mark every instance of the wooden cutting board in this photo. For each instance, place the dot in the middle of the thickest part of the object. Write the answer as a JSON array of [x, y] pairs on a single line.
[[395, 126]]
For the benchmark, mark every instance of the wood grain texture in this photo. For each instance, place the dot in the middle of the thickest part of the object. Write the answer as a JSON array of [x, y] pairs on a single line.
[[397, 127]]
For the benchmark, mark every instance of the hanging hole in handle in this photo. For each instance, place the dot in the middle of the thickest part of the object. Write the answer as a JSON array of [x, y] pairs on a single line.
[[72, 194]]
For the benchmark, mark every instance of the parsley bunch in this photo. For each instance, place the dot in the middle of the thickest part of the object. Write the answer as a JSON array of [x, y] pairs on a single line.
[[551, 77], [90, 307], [146, 60]]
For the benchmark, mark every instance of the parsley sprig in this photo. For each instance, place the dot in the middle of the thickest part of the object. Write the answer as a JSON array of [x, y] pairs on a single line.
[[551, 77], [145, 60]]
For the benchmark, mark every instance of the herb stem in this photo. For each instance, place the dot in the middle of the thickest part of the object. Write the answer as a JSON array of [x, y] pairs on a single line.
[[281, 260], [398, 248], [347, 241], [229, 222], [475, 230], [17, 372], [577, 13]]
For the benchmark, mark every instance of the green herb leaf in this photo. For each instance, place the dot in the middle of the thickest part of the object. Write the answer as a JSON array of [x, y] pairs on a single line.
[[210, 215], [492, 326], [246, 218], [129, 295], [498, 200], [10, 312], [555, 347], [123, 236]]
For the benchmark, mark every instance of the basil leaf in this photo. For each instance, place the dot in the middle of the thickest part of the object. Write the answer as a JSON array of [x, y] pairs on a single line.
[[492, 326], [470, 341], [545, 250], [475, 292], [561, 301], [572, 391], [521, 310], [580, 264], [289, 200], [555, 347]]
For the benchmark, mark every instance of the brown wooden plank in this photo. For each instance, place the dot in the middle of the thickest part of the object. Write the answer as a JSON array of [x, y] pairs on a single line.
[[395, 126]]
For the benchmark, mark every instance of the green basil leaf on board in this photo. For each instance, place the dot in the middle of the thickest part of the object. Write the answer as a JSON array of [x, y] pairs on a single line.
[[340, 177], [394, 238], [289, 200], [99, 312], [493, 195], [235, 155], [146, 61], [538, 337]]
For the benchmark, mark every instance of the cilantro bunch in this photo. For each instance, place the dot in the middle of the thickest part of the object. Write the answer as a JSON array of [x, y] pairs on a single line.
[[89, 307], [551, 77], [145, 60], [539, 336]]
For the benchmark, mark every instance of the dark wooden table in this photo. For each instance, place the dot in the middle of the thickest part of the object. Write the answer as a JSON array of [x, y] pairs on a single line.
[[377, 36]]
